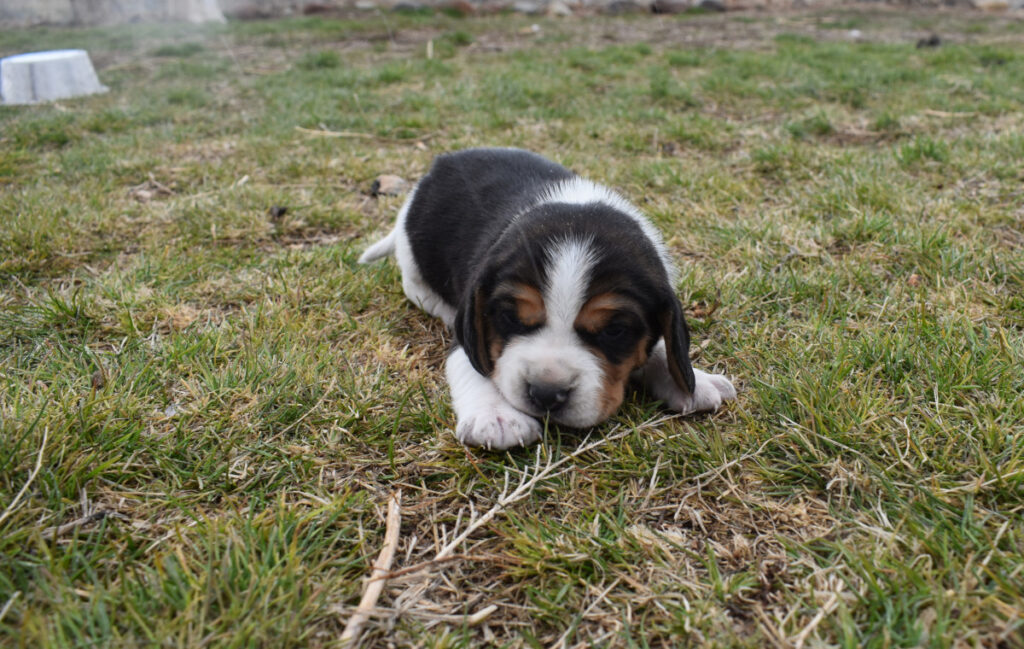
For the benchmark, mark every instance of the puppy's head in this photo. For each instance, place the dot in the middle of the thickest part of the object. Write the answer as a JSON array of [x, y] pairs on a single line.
[[570, 302]]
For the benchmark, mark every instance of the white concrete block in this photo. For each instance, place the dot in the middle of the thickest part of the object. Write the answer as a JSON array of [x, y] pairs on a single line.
[[45, 76]]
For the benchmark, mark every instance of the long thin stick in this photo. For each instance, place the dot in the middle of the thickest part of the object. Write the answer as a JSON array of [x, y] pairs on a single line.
[[462, 620], [380, 568], [325, 133]]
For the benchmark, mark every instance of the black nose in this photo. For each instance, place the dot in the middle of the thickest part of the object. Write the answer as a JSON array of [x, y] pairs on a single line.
[[547, 397]]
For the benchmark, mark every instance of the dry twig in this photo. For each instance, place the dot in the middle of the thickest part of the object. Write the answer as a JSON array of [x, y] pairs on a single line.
[[475, 619], [323, 132], [375, 585], [326, 133], [88, 519]]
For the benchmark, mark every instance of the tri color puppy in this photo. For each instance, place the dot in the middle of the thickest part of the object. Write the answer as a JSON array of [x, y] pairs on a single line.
[[558, 290]]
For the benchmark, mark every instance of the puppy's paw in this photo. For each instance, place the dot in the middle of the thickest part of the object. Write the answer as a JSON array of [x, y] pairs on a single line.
[[497, 427], [709, 392]]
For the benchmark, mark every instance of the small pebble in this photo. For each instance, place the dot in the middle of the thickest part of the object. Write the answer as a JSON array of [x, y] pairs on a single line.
[[388, 185]]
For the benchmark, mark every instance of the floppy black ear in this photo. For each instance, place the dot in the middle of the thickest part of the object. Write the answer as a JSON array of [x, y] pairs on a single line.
[[471, 331], [677, 345]]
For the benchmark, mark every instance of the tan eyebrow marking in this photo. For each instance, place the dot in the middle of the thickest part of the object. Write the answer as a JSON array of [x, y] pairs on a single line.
[[530, 310], [599, 309], [529, 304]]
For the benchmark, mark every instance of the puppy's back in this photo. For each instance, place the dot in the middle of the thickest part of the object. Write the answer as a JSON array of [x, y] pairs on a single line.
[[484, 184]]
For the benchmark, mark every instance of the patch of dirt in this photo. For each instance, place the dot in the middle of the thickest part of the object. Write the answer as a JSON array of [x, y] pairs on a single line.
[[754, 28], [750, 29]]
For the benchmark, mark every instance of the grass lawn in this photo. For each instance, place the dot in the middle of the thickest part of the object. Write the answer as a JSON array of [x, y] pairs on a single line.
[[205, 402]]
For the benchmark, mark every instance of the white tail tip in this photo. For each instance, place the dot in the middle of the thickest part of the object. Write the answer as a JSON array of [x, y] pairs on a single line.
[[383, 248]]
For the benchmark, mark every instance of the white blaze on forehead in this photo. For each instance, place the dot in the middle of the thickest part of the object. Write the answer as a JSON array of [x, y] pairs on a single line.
[[568, 276], [580, 191]]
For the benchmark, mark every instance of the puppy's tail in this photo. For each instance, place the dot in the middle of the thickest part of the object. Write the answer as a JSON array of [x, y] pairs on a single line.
[[383, 248]]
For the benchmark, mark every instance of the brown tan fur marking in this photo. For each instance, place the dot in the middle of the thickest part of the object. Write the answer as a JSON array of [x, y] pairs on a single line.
[[529, 309], [593, 317], [529, 305], [616, 377], [598, 310], [495, 348]]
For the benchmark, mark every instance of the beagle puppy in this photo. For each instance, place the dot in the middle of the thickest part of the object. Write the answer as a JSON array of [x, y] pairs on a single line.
[[557, 289]]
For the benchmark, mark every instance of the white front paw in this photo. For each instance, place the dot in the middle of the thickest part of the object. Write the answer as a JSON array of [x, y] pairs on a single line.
[[709, 392], [497, 427]]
